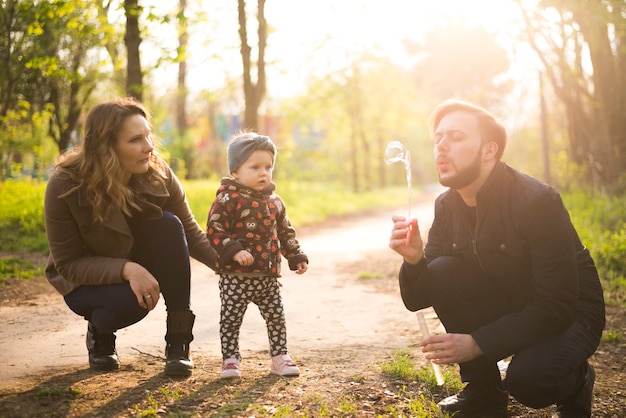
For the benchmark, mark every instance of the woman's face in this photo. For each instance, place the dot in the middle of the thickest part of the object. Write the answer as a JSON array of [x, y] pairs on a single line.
[[134, 146]]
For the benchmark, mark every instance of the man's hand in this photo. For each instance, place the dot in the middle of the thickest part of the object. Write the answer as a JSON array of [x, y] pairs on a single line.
[[450, 348], [413, 250]]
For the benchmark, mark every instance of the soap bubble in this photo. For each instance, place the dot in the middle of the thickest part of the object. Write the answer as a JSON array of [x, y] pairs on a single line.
[[397, 153]]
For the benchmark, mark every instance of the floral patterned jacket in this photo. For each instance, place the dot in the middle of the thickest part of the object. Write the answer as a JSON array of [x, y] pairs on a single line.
[[256, 221]]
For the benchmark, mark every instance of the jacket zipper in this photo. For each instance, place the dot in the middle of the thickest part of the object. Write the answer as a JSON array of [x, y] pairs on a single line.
[[480, 263], [473, 234]]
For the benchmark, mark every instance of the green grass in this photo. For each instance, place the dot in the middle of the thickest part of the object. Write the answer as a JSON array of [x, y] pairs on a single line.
[[403, 367], [58, 392], [601, 224], [612, 336], [21, 215], [368, 275], [18, 268]]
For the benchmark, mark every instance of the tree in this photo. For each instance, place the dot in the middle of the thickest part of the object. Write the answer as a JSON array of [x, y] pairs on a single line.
[[17, 81], [345, 119], [581, 45], [187, 151], [73, 77], [48, 64], [181, 94], [462, 62], [253, 92], [13, 31], [113, 41], [132, 40]]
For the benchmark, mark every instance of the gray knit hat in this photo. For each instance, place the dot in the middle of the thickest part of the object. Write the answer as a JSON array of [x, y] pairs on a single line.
[[241, 147]]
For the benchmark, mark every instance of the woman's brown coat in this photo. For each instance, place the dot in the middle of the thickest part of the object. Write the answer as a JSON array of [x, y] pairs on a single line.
[[84, 252]]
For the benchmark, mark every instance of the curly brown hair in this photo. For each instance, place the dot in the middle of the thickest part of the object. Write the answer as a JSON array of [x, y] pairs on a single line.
[[94, 164]]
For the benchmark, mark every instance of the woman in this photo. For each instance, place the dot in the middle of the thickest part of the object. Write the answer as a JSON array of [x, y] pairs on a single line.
[[120, 233]]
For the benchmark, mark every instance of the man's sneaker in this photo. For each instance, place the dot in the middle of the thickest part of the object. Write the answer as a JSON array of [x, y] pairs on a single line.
[[477, 400], [230, 368], [282, 365], [578, 405]]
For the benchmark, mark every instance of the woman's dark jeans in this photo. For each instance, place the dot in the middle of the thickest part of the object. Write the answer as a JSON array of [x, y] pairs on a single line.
[[161, 247]]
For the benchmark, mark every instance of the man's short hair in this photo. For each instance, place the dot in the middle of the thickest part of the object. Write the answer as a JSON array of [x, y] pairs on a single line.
[[491, 130]]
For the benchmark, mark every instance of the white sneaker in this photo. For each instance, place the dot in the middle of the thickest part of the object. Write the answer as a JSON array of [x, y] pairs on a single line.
[[282, 365], [230, 368]]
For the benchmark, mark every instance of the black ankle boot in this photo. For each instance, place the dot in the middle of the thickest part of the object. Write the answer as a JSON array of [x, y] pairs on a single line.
[[477, 400], [578, 405], [101, 347], [179, 335]]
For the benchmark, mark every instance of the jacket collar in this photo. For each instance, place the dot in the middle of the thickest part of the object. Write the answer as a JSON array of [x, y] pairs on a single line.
[[141, 185], [116, 222], [231, 184], [490, 191], [492, 188], [142, 188]]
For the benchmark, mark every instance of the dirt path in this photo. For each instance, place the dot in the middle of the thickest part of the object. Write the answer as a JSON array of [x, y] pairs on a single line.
[[341, 326], [328, 308]]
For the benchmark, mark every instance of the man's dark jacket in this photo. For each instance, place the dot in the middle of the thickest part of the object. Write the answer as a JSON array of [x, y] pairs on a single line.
[[525, 243]]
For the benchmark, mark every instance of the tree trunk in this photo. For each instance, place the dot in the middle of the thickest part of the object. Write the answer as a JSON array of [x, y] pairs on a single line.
[[544, 132], [253, 92], [181, 93], [595, 104], [112, 45], [132, 39]]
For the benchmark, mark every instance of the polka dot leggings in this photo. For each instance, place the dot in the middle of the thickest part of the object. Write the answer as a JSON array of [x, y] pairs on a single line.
[[236, 293]]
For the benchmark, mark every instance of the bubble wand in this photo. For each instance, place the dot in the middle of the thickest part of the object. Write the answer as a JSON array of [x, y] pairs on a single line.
[[397, 153], [425, 333]]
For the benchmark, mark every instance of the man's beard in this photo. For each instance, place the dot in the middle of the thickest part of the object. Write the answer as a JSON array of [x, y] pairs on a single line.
[[465, 176]]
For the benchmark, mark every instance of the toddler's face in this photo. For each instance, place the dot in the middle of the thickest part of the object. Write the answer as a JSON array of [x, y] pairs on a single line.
[[256, 171]]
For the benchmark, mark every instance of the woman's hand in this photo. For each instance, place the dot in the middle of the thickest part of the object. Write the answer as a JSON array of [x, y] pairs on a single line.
[[244, 258], [413, 249], [143, 284]]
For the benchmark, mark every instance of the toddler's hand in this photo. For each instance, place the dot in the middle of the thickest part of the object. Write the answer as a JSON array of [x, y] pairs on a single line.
[[302, 267], [244, 258]]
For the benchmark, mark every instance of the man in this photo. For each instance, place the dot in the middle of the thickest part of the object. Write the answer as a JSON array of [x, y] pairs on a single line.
[[506, 273]]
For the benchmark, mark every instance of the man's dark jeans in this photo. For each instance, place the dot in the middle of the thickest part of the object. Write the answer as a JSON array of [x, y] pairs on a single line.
[[539, 375]]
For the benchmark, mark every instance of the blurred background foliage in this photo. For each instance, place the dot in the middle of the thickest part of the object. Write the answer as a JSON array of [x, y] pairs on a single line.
[[554, 77], [552, 71]]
